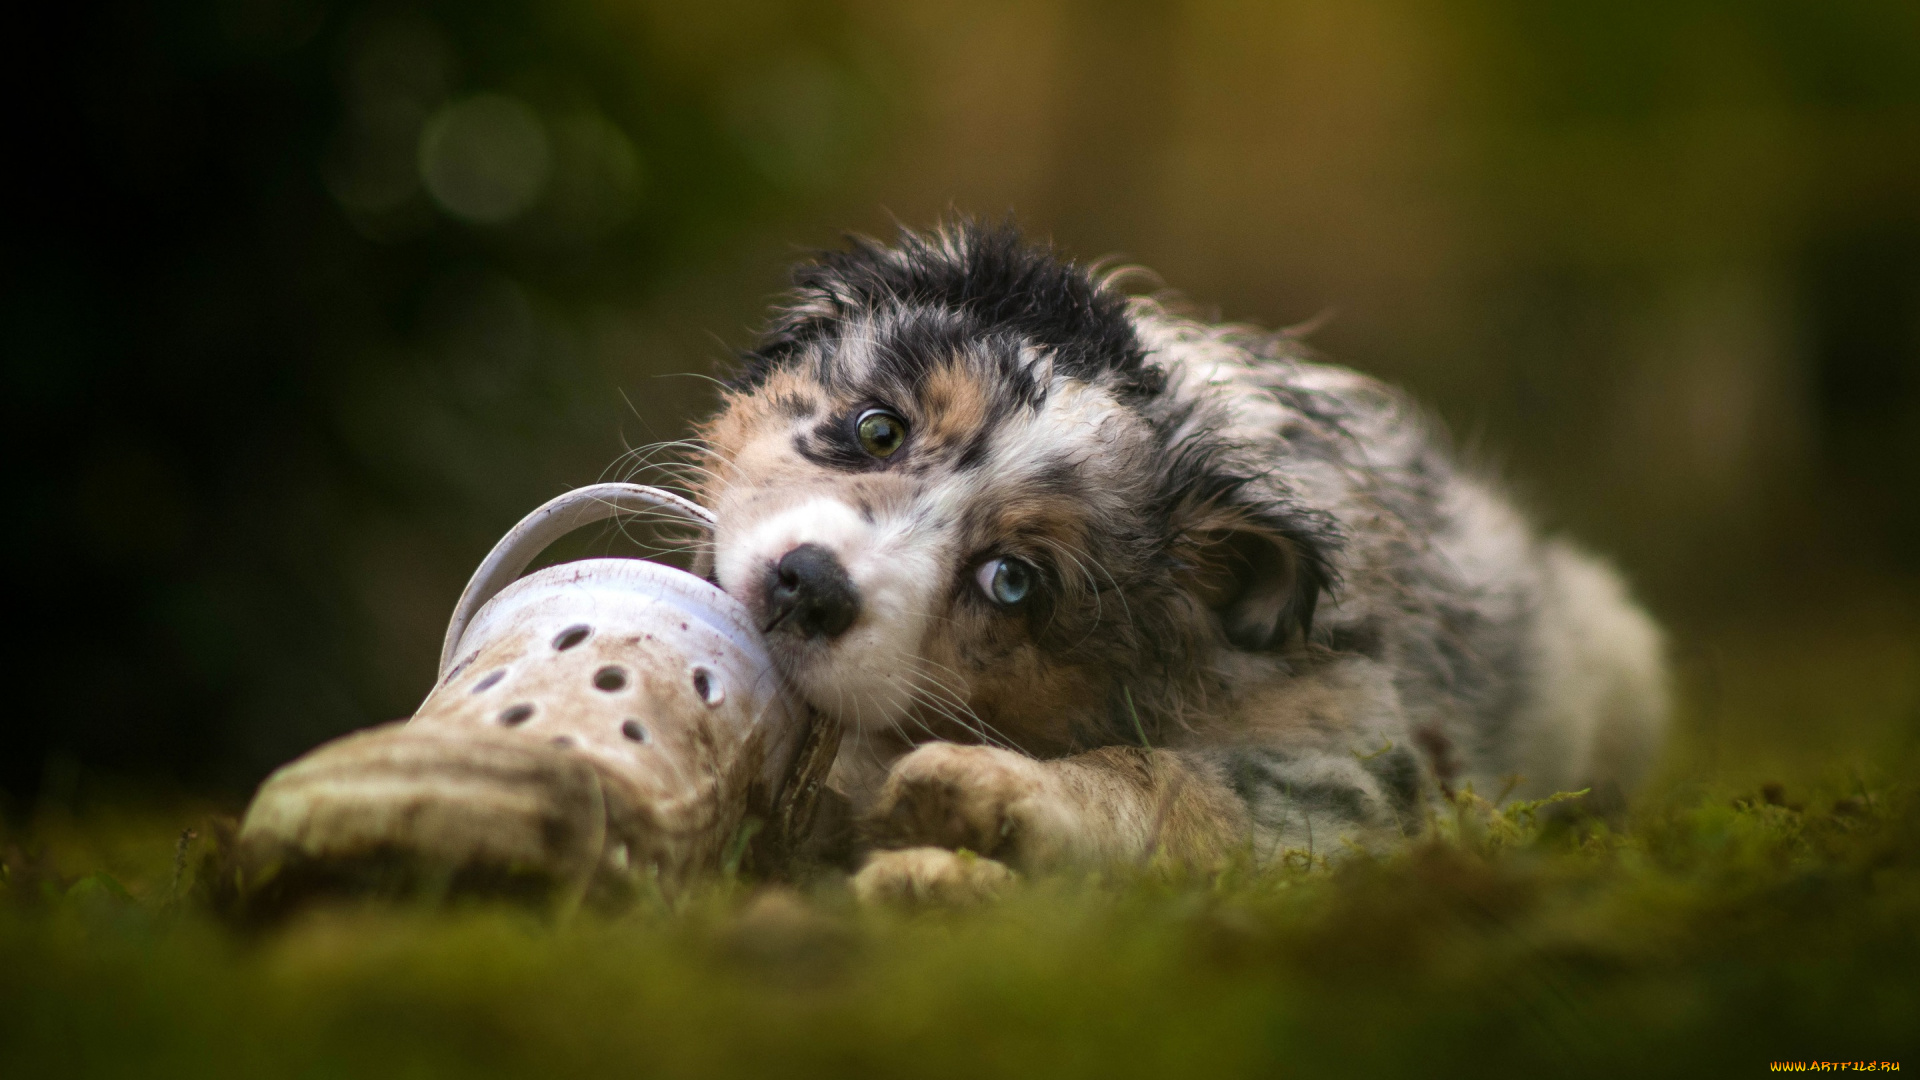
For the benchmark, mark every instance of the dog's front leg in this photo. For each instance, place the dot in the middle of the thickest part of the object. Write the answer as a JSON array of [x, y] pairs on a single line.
[[1115, 804]]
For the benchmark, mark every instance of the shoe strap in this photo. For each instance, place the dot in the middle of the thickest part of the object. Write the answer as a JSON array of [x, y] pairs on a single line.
[[554, 519]]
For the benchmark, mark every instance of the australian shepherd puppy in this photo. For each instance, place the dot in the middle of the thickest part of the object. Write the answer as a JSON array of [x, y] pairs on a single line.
[[1084, 580]]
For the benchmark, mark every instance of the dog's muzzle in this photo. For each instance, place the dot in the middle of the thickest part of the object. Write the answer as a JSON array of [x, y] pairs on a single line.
[[809, 593]]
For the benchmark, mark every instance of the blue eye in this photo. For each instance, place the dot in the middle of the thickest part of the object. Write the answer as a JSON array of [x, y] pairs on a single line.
[[1005, 581]]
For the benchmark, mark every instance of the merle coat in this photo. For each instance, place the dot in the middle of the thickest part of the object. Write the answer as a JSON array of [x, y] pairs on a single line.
[[1085, 580]]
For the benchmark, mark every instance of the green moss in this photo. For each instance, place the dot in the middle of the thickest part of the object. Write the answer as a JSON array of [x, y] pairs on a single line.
[[1712, 932]]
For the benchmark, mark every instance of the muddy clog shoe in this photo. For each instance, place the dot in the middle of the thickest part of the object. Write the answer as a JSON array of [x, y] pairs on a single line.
[[598, 728]]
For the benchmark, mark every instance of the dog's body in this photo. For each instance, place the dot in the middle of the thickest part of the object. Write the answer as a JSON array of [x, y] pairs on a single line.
[[1087, 581]]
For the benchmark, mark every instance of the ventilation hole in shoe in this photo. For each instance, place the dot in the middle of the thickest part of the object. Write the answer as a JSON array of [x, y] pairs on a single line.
[[571, 636], [561, 742], [632, 729], [610, 679], [516, 716], [492, 680], [708, 687]]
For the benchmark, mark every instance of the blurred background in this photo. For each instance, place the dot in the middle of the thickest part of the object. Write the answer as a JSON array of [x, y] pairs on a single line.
[[304, 302]]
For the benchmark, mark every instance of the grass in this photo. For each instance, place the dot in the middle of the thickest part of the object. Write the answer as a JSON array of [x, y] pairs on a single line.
[[1715, 932], [1769, 912]]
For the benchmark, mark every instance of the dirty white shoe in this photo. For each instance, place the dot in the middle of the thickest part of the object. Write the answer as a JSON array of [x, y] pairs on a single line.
[[599, 727]]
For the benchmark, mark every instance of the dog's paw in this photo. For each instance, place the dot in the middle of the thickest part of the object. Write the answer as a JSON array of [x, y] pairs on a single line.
[[928, 875], [978, 798]]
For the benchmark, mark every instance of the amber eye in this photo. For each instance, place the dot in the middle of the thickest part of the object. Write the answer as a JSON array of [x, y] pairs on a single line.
[[881, 432]]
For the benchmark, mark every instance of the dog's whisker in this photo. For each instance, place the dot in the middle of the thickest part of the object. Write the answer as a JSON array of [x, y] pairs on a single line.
[[964, 717], [954, 701], [721, 383], [914, 697], [1093, 586], [1119, 592], [642, 460], [919, 697]]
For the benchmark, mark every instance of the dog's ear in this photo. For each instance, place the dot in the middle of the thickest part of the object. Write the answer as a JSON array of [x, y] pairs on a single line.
[[1261, 583]]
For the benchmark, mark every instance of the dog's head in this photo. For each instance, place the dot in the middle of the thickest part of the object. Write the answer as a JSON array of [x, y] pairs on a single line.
[[959, 495]]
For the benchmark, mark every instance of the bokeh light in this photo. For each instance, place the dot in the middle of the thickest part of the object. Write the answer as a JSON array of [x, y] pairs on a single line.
[[597, 180], [485, 158]]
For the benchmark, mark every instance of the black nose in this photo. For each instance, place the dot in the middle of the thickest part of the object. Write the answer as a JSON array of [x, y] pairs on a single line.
[[811, 594]]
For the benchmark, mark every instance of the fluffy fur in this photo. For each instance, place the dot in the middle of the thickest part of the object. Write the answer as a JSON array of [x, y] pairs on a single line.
[[1265, 605]]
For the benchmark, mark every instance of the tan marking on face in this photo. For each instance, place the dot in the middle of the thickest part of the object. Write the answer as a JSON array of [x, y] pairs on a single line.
[[1021, 695], [1052, 530], [954, 405], [1044, 517], [736, 435]]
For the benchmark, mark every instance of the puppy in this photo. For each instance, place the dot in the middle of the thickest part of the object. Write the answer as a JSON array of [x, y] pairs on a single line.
[[1086, 581]]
